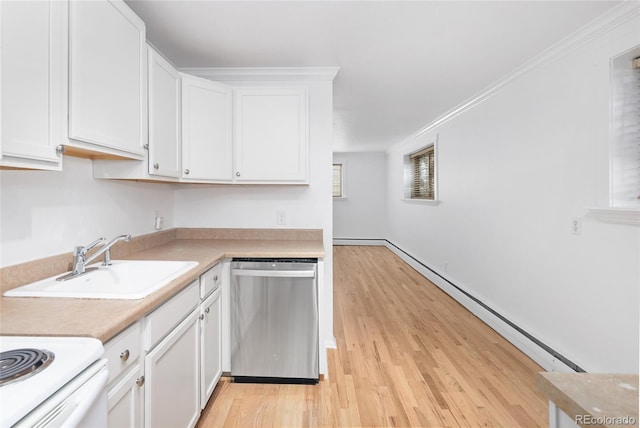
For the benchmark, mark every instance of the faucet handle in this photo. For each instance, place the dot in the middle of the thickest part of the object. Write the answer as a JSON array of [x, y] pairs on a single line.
[[93, 244]]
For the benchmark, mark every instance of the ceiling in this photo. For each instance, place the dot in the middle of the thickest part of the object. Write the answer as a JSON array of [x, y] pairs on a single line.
[[402, 63]]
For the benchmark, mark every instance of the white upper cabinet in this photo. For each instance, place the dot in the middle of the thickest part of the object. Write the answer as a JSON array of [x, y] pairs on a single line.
[[206, 130], [271, 139], [107, 80], [32, 38], [164, 117]]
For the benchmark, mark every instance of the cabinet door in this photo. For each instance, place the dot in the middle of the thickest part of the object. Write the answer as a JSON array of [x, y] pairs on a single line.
[[125, 403], [107, 78], [211, 345], [33, 37], [172, 378], [271, 138], [164, 117], [206, 129]]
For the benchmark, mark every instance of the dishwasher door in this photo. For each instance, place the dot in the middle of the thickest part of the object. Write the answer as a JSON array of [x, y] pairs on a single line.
[[274, 321]]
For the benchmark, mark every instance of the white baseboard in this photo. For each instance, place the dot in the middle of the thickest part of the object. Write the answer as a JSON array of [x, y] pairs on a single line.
[[359, 241], [541, 356], [331, 343]]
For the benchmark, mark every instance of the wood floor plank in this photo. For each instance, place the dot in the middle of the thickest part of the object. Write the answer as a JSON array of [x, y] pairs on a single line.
[[407, 355]]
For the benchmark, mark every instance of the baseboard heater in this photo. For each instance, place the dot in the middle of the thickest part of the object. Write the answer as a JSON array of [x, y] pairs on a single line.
[[502, 318]]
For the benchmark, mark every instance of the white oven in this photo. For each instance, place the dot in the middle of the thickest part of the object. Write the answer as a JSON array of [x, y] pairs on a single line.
[[52, 382]]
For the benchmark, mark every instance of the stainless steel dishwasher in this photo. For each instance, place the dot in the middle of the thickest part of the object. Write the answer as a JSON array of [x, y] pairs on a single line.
[[274, 320]]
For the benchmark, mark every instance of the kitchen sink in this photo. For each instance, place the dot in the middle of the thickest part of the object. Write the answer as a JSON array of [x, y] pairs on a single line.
[[123, 279]]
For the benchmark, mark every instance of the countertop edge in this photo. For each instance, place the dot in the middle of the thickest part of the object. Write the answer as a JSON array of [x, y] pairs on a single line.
[[124, 313], [550, 384]]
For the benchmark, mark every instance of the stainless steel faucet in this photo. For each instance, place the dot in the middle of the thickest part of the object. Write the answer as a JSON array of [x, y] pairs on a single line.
[[79, 257], [80, 260], [106, 249]]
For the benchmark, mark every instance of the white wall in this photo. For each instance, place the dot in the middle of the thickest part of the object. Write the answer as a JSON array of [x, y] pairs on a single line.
[[46, 213], [306, 207], [513, 171], [362, 213]]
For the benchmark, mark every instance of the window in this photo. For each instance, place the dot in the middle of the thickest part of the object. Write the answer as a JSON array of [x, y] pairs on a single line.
[[422, 176], [619, 194], [338, 180], [625, 130]]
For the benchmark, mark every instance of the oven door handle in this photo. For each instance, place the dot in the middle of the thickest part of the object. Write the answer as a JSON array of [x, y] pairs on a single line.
[[87, 398], [274, 273]]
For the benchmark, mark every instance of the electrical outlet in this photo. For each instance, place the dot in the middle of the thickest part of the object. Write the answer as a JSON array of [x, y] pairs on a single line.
[[576, 226], [159, 222], [281, 218]]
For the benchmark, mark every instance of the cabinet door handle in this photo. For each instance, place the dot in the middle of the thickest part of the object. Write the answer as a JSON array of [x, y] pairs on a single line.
[[140, 381], [156, 166], [206, 311], [237, 173], [215, 278], [124, 355], [60, 149], [186, 172], [201, 317]]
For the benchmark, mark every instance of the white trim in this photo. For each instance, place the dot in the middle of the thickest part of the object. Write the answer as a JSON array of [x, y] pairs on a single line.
[[421, 201], [614, 17], [323, 365], [222, 74], [360, 241], [623, 215], [331, 343]]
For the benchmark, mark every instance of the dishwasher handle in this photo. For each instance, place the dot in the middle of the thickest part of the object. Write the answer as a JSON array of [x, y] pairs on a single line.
[[274, 273]]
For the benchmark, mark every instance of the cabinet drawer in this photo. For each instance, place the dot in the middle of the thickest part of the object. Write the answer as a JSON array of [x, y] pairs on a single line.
[[123, 350], [210, 280], [161, 321]]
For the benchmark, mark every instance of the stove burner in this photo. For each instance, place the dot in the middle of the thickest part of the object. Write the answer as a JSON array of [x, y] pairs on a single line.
[[19, 364]]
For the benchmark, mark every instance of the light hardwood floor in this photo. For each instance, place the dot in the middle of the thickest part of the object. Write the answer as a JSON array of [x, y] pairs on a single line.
[[408, 355]]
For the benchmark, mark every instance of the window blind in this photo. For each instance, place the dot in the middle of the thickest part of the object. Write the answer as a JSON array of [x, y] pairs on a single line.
[[625, 149], [337, 180], [423, 171]]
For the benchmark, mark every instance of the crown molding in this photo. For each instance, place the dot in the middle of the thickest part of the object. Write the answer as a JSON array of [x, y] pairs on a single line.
[[222, 74], [594, 29]]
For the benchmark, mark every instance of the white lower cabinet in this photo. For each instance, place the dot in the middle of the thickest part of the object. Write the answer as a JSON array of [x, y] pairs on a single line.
[[210, 345], [125, 400], [164, 368], [125, 390], [172, 361], [172, 376]]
